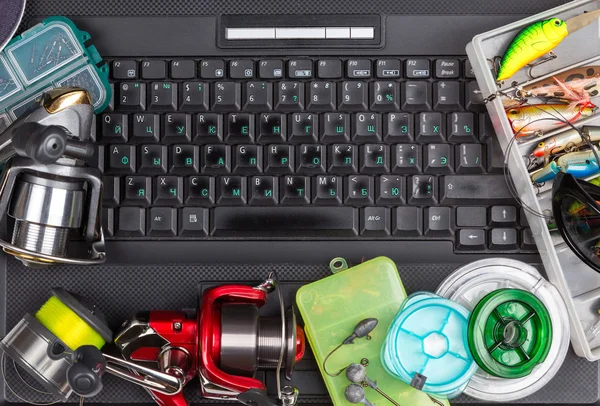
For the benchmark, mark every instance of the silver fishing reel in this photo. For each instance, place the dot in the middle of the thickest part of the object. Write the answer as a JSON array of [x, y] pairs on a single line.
[[46, 186]]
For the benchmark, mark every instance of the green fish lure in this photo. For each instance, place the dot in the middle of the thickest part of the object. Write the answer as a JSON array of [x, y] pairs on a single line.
[[531, 43]]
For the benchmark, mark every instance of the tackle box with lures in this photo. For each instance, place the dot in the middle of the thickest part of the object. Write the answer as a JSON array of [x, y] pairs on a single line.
[[576, 55], [48, 55]]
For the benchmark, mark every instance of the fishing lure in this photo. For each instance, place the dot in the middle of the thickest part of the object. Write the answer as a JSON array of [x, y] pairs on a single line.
[[584, 80], [538, 39], [539, 118], [579, 164], [567, 141]]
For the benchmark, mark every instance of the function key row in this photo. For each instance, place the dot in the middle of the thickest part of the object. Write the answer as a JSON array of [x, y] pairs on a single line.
[[359, 68]]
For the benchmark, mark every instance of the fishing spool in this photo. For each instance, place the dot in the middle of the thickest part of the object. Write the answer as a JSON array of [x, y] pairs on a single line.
[[44, 344]]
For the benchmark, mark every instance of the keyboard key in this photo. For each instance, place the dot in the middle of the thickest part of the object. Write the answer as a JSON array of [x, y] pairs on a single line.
[[391, 191], [353, 95], [385, 96], [216, 159], [300, 69], [473, 98], [358, 68], [154, 70], [469, 73], [132, 222], [111, 190], [329, 69], [469, 158], [270, 69], [503, 216], [527, 240], [321, 96], [360, 190], [399, 127], [114, 127], [168, 191], [447, 68], [280, 159], [406, 158], [439, 159], [108, 222], [163, 96], [343, 158], [264, 190], [431, 127], [177, 128], [231, 190], [416, 96], [423, 190], [248, 159], [121, 159], [311, 158], [471, 239], [388, 68], [240, 128], [285, 221], [212, 69], [327, 190], [226, 96], [183, 69], [335, 127], [375, 221], [471, 216], [146, 128], [200, 191], [195, 96], [153, 159], [258, 96], [438, 222], [185, 159], [272, 128], [209, 128], [132, 96], [367, 128], [193, 222], [138, 191], [162, 222], [495, 155], [407, 221], [447, 96], [375, 158], [123, 70], [241, 69], [295, 190], [290, 96], [475, 190], [461, 127], [418, 69], [304, 128], [503, 239]]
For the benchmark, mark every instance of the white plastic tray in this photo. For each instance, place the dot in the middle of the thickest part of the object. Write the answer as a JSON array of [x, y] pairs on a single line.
[[578, 284]]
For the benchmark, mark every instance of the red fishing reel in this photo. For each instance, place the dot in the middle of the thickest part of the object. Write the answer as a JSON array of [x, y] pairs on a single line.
[[225, 343]]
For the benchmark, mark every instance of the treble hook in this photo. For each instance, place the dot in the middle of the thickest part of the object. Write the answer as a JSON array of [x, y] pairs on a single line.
[[551, 57]]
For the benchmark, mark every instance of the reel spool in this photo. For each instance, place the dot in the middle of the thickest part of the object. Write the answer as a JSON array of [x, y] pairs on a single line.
[[44, 344]]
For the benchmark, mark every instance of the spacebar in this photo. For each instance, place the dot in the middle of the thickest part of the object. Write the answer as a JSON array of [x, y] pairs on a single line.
[[285, 222]]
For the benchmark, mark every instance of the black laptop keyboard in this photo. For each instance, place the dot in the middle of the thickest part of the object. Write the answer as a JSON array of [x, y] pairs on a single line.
[[325, 148]]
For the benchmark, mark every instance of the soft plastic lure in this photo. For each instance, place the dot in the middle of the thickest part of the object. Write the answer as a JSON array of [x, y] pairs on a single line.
[[533, 42], [539, 118], [584, 80], [566, 141], [538, 39], [579, 164]]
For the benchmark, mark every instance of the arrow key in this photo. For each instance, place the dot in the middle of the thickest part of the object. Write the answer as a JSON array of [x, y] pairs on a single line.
[[504, 239], [504, 216], [471, 239], [375, 222]]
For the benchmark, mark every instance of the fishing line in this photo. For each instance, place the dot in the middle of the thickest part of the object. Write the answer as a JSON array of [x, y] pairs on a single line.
[[3, 370]]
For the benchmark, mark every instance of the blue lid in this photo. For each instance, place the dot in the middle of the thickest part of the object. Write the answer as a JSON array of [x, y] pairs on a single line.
[[429, 337]]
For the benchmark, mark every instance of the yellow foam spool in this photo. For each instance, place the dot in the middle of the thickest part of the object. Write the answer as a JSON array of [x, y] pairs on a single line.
[[65, 324]]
